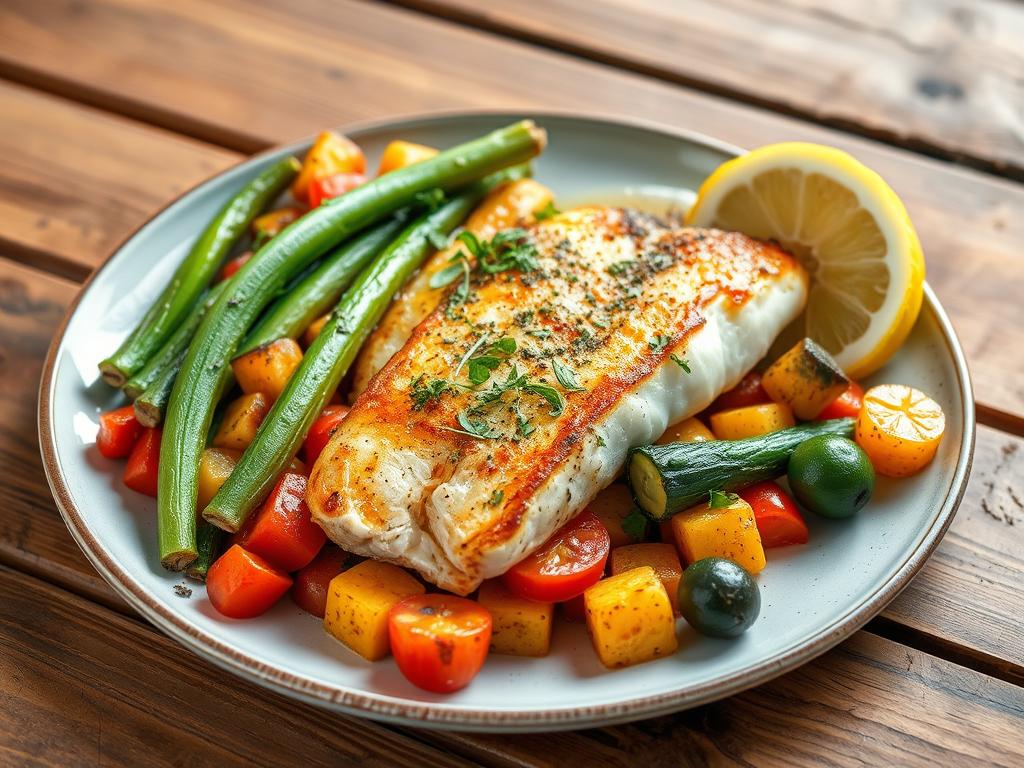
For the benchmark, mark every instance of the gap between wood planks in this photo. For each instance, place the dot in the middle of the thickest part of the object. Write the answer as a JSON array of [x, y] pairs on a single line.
[[481, 22]]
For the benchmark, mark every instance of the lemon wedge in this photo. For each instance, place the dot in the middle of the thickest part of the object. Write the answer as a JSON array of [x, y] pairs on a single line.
[[845, 225]]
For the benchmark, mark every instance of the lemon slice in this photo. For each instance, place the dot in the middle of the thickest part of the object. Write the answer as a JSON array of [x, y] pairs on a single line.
[[845, 225]]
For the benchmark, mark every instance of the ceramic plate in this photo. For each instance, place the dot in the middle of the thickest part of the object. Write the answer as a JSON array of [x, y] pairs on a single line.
[[813, 596]]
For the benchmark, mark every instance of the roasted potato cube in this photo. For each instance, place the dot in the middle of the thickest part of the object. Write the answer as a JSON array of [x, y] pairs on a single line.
[[358, 602], [520, 627], [691, 430], [310, 334], [215, 467], [630, 618], [611, 506], [751, 421], [267, 369], [241, 420], [806, 378], [661, 557], [730, 532], [399, 154]]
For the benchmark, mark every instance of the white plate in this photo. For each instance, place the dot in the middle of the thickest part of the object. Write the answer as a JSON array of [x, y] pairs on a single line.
[[812, 596]]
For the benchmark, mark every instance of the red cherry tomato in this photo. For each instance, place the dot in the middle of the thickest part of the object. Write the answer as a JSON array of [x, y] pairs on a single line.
[[322, 430], [282, 532], [140, 473], [235, 264], [439, 641], [119, 431], [569, 562], [847, 405], [310, 588], [333, 186], [242, 585], [748, 392], [778, 520]]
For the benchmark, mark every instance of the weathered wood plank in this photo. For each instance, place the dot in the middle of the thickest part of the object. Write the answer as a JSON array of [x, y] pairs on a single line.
[[940, 77], [75, 181], [83, 686], [868, 702], [326, 63], [969, 597]]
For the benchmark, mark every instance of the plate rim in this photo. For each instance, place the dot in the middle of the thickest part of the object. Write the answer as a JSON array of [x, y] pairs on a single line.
[[439, 715]]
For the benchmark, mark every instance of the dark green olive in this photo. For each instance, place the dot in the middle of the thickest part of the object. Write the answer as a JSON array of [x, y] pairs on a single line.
[[718, 597]]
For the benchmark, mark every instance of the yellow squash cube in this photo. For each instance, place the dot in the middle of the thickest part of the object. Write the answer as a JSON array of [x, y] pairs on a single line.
[[241, 421], [267, 369], [729, 532], [611, 506], [215, 468], [751, 421], [691, 430], [630, 618], [805, 378], [520, 627], [358, 603], [661, 557]]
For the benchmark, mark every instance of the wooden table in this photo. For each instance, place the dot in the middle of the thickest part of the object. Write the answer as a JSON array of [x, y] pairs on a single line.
[[109, 108]]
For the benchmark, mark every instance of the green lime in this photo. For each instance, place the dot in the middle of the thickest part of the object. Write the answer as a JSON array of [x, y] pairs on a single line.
[[718, 598], [831, 476]]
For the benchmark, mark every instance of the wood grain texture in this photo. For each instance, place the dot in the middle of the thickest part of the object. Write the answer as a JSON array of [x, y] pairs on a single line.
[[868, 702], [938, 76], [969, 597], [83, 686], [75, 181], [326, 63]]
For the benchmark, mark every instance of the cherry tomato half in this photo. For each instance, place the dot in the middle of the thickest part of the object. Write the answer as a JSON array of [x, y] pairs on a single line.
[[748, 392], [439, 641], [778, 520], [569, 562], [321, 431], [847, 405], [232, 266]]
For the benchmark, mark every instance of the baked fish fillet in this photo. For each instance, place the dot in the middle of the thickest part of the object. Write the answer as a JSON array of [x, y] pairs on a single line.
[[645, 325], [511, 205]]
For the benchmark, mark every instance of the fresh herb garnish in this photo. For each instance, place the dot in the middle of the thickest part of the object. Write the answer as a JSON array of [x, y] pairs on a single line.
[[566, 377], [494, 397], [619, 268], [680, 362], [721, 499], [634, 525], [496, 498], [550, 394], [431, 199], [425, 392], [659, 342], [547, 212], [540, 333], [600, 442], [474, 428]]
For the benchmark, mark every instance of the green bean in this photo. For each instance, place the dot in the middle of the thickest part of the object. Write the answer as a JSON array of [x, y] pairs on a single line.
[[173, 350], [205, 373], [196, 271], [326, 362]]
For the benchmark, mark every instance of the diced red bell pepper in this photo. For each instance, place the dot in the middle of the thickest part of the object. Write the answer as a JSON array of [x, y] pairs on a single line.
[[847, 405], [282, 532], [748, 392], [242, 584], [333, 186], [140, 473], [235, 264], [778, 520], [119, 431], [321, 431], [310, 588]]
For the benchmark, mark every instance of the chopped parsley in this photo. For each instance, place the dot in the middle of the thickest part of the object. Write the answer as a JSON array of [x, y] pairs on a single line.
[[659, 342], [620, 268], [634, 525], [423, 393], [721, 499], [496, 498], [680, 362], [566, 377], [547, 212]]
